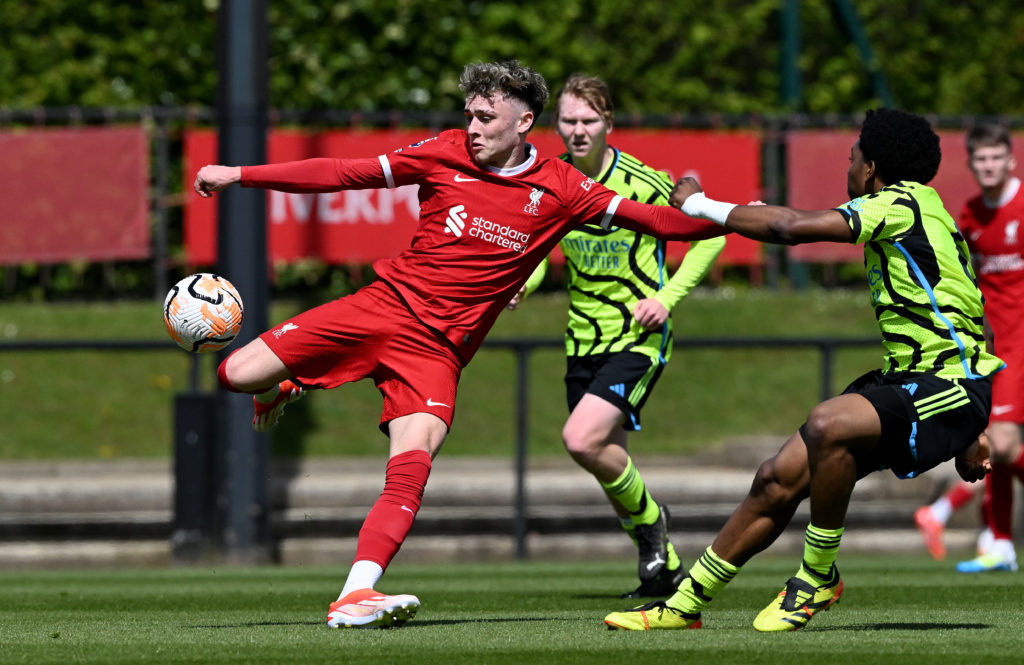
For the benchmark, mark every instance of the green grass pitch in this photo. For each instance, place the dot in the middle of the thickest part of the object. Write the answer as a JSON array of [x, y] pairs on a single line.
[[903, 610]]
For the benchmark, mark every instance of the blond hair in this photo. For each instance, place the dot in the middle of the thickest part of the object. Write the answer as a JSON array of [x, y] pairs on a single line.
[[593, 91]]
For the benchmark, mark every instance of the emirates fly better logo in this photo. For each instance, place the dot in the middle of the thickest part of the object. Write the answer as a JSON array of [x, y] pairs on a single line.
[[484, 229]]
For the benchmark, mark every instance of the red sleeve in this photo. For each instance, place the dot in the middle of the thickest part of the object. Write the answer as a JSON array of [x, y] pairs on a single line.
[[663, 222], [316, 175], [966, 218]]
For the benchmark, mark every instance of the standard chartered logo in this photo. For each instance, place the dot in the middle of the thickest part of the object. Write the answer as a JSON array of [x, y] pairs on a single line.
[[486, 230], [456, 220]]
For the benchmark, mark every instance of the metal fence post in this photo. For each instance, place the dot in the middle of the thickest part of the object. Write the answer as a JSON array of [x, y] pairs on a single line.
[[194, 434], [522, 445], [242, 500]]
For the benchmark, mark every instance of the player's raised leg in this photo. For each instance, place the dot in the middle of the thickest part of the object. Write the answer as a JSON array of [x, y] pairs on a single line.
[[415, 439], [257, 370]]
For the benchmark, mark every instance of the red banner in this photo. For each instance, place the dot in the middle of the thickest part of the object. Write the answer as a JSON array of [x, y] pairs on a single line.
[[360, 226], [818, 163], [74, 194]]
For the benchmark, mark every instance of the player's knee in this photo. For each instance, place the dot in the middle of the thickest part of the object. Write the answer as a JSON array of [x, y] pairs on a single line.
[[574, 441], [1004, 455], [580, 443], [821, 431], [816, 429], [1004, 442]]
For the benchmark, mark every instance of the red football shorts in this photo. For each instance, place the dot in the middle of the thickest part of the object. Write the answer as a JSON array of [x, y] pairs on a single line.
[[1008, 387], [371, 334]]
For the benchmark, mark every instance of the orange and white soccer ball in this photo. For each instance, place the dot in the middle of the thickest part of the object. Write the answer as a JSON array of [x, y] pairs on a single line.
[[203, 313]]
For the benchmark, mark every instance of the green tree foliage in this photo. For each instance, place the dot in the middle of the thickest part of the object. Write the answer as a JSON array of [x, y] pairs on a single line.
[[100, 53], [939, 57], [718, 55]]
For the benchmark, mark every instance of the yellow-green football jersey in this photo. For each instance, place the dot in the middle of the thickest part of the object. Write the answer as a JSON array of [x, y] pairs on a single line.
[[610, 270], [923, 289]]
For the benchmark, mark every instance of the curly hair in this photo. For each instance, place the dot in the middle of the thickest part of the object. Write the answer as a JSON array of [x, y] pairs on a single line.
[[902, 145], [593, 91], [510, 79]]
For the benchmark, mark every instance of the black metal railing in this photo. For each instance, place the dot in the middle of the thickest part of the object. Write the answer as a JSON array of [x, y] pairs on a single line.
[[523, 348]]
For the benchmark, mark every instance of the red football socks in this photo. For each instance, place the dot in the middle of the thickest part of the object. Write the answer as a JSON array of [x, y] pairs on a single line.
[[392, 516]]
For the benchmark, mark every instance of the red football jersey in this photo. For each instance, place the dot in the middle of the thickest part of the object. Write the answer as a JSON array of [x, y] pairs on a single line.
[[996, 239], [482, 230]]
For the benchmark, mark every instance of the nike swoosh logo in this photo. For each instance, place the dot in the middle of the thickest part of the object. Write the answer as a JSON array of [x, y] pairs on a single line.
[[1000, 409], [459, 178], [405, 507], [431, 402], [657, 561]]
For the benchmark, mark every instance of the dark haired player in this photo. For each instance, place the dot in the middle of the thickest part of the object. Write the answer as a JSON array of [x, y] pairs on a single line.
[[491, 209], [928, 404]]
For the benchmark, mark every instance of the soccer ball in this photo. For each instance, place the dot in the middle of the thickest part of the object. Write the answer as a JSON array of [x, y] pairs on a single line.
[[203, 313]]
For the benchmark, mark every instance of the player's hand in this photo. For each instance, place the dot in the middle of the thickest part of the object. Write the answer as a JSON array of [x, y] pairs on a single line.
[[973, 464], [650, 314], [685, 187], [213, 178], [517, 298]]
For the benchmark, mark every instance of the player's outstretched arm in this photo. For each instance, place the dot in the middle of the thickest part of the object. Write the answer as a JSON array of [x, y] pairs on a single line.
[[767, 223], [213, 178], [660, 221], [320, 174]]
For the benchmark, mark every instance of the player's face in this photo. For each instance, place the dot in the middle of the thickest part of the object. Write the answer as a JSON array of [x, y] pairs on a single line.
[[497, 130], [991, 165], [859, 177], [583, 130]]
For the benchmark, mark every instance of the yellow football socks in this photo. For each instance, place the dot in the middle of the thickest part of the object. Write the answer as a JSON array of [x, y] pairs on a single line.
[[820, 549], [706, 578]]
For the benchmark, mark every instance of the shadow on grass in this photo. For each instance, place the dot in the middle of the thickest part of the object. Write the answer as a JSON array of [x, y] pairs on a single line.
[[614, 596], [908, 626], [428, 622], [455, 622], [257, 624]]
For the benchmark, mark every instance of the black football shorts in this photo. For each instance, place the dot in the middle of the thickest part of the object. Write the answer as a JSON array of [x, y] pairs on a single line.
[[625, 379], [926, 420]]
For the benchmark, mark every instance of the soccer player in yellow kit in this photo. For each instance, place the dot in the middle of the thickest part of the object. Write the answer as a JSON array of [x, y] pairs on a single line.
[[619, 334]]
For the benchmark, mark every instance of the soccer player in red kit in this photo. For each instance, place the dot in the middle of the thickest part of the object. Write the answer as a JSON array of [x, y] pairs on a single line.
[[491, 209], [991, 225]]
